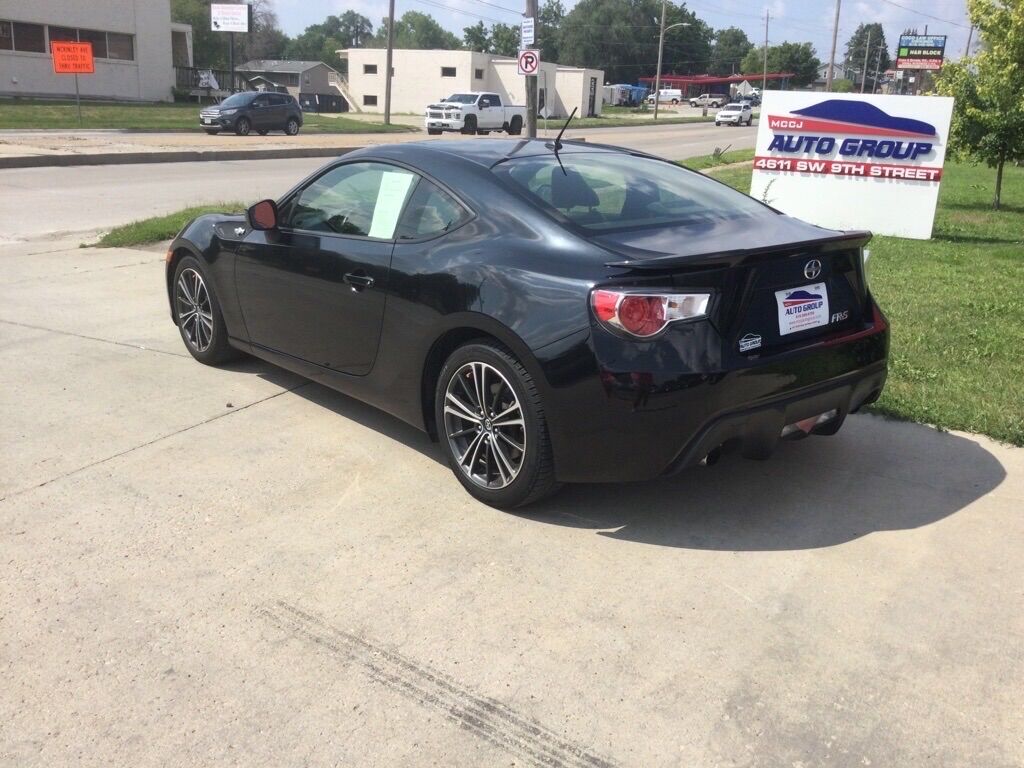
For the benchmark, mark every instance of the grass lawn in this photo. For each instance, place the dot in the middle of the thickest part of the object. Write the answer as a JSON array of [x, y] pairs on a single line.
[[158, 228], [19, 113], [956, 307], [623, 122], [703, 162]]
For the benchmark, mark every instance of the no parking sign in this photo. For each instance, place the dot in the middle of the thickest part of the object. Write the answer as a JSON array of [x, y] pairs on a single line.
[[529, 62]]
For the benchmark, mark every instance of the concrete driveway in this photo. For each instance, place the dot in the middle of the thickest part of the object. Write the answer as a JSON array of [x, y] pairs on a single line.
[[237, 567]]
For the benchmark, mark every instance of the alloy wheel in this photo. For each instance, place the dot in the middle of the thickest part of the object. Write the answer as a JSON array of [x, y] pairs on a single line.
[[195, 311], [484, 424]]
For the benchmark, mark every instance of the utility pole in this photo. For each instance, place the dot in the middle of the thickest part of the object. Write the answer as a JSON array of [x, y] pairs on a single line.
[[878, 65], [531, 81], [832, 56], [764, 77], [231, 61], [387, 62], [970, 34], [661, 47], [864, 74]]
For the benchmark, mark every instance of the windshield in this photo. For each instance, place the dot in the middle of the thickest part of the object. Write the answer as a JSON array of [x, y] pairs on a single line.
[[605, 191], [462, 98], [237, 100]]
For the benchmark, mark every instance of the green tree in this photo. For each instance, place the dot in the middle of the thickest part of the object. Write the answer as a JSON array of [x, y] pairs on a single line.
[[416, 30], [476, 38], [988, 114], [842, 86], [621, 37], [549, 22], [731, 45], [869, 39], [798, 58], [321, 42], [504, 39], [210, 49]]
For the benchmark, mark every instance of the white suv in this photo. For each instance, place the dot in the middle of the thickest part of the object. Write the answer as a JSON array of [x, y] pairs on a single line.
[[737, 113]]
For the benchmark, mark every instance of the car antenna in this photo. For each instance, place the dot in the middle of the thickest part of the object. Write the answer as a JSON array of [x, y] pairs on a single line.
[[558, 141]]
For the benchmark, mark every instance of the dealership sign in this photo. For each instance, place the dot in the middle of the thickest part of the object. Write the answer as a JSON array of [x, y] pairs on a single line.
[[920, 51], [851, 161]]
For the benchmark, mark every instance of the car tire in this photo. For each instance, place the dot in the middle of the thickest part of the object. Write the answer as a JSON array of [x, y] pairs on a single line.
[[717, 124], [243, 126], [750, 120], [675, 102], [516, 126], [433, 131], [291, 128], [469, 125], [509, 465], [209, 132], [197, 314]]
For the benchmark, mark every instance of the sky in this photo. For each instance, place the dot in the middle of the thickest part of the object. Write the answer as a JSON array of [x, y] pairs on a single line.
[[791, 20]]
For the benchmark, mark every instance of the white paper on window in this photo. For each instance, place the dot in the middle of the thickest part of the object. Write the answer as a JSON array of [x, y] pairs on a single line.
[[394, 186]]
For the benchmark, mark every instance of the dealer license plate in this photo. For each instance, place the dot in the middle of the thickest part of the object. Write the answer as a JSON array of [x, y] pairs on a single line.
[[803, 308]]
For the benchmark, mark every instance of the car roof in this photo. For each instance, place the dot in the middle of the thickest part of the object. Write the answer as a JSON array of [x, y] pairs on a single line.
[[489, 152]]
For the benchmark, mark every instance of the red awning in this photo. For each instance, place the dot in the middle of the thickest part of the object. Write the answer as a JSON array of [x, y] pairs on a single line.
[[689, 80]]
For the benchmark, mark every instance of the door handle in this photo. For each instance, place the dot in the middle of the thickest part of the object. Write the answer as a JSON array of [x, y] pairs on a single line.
[[358, 280]]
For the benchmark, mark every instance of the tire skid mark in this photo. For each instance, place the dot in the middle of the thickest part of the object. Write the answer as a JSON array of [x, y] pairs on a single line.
[[487, 718]]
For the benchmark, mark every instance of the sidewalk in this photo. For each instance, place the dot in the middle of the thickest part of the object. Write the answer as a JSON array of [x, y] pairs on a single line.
[[34, 148]]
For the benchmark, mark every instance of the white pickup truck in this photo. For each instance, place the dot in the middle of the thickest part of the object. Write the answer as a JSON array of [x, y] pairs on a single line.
[[474, 112]]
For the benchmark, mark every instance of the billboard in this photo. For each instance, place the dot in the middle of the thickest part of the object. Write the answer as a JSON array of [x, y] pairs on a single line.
[[853, 161], [920, 51], [229, 17]]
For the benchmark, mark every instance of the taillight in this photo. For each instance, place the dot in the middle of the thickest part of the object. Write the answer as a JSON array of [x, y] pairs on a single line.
[[646, 314]]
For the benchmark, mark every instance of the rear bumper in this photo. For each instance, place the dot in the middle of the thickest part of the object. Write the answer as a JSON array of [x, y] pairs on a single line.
[[623, 426]]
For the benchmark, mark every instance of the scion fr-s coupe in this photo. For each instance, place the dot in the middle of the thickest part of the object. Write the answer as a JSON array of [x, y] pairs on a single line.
[[550, 312]]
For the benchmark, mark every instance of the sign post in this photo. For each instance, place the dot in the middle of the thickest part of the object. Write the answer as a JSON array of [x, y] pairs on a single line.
[[230, 18], [73, 59]]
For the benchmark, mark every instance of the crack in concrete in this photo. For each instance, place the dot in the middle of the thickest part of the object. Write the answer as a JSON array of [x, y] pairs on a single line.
[[91, 338], [126, 451]]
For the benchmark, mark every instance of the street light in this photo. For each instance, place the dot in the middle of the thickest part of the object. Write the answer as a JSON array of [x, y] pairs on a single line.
[[661, 47]]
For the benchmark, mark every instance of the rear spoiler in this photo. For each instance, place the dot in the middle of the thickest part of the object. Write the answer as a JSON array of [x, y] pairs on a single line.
[[829, 242]]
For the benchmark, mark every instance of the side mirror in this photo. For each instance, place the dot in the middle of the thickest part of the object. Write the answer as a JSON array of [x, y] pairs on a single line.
[[263, 215]]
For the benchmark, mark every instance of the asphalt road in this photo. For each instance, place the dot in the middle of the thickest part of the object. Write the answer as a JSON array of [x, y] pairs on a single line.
[[237, 567], [38, 201]]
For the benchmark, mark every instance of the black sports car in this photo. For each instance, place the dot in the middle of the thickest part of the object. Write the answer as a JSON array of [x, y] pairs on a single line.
[[588, 314]]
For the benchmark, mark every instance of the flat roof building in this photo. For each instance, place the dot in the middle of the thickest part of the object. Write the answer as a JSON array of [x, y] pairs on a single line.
[[131, 42], [420, 77]]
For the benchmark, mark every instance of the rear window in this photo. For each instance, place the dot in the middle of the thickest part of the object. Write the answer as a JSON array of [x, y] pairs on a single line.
[[605, 191]]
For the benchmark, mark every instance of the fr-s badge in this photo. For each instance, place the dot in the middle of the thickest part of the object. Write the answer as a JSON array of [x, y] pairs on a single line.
[[838, 317], [750, 342]]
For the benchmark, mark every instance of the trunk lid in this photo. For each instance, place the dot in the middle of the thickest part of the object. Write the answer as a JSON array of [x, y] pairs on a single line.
[[777, 281]]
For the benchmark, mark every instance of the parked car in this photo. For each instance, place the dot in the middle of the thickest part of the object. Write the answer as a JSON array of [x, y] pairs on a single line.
[[474, 112], [737, 113], [584, 315], [253, 111], [709, 100], [667, 95], [753, 100]]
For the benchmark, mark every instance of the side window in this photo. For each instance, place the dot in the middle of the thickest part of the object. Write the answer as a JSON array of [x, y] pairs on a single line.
[[495, 99], [260, 101], [363, 199], [431, 211], [277, 100]]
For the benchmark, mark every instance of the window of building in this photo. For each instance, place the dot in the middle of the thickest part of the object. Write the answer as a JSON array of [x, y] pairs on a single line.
[[447, 71], [29, 37], [6, 37], [120, 46], [369, 101], [369, 69], [62, 35], [98, 40], [478, 74]]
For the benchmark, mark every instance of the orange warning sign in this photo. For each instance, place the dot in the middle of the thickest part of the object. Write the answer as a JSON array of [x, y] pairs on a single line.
[[72, 58]]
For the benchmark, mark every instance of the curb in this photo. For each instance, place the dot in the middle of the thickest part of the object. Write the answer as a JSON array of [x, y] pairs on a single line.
[[178, 156]]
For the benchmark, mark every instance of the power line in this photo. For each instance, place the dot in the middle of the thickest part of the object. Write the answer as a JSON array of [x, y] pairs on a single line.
[[926, 15]]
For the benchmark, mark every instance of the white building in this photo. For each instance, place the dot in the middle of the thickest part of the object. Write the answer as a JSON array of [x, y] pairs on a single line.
[[421, 77], [131, 41]]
